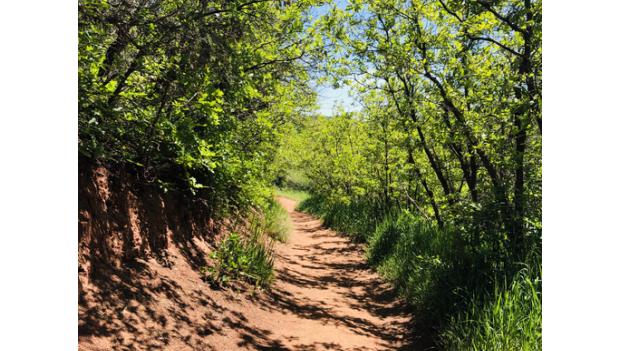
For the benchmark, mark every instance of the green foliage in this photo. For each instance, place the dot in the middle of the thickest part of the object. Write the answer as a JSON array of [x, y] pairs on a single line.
[[292, 179], [250, 258], [451, 125], [193, 94], [247, 259], [430, 266], [510, 319]]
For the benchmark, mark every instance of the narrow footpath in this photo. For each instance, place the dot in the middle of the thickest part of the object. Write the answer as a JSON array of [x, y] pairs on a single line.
[[325, 297]]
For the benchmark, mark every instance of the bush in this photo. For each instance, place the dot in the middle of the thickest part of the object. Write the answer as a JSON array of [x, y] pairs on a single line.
[[242, 259]]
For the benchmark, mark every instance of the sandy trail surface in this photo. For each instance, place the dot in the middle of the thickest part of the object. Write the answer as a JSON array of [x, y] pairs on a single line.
[[324, 298]]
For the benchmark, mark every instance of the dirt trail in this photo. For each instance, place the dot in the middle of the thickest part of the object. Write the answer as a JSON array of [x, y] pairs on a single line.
[[324, 298]]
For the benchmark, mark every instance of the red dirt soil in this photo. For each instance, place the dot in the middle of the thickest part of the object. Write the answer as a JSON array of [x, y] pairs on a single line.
[[324, 298]]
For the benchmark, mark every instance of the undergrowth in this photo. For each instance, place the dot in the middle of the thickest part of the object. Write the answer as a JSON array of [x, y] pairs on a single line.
[[355, 219], [237, 258], [511, 319], [250, 258]]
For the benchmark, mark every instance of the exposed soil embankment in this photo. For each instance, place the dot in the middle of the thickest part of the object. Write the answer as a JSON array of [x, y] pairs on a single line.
[[123, 218]]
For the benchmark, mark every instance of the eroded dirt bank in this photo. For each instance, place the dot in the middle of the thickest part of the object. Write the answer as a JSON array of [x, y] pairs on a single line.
[[123, 218], [324, 298]]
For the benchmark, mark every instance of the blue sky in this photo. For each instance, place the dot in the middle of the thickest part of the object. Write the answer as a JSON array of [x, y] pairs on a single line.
[[328, 98]]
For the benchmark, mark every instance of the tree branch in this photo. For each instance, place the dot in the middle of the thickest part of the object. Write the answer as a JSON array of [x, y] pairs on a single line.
[[491, 40], [502, 18]]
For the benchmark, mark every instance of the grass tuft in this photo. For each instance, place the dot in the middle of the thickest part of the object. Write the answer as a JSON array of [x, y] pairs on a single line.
[[237, 258], [251, 258]]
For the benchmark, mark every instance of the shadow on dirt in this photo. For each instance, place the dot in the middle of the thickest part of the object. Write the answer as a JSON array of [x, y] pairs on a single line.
[[142, 307]]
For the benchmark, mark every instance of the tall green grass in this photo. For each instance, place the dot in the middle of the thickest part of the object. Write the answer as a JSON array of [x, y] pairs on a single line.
[[357, 219], [511, 319], [428, 265], [274, 221]]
